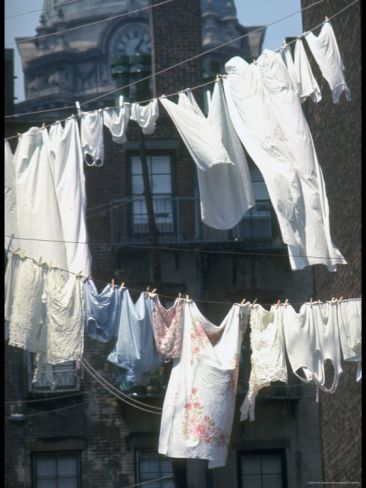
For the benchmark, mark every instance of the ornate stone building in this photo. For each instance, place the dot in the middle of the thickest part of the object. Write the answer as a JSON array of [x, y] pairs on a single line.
[[75, 63]]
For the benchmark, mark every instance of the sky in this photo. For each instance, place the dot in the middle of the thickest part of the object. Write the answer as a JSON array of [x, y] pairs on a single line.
[[250, 12]]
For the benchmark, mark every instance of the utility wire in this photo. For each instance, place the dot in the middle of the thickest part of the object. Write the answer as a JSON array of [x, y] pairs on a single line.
[[161, 248], [138, 290], [119, 392], [168, 477], [111, 391], [203, 53], [40, 10], [51, 411], [124, 14]]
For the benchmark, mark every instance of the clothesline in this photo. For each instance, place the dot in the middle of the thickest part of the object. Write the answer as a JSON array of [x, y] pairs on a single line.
[[159, 248], [178, 64], [101, 282]]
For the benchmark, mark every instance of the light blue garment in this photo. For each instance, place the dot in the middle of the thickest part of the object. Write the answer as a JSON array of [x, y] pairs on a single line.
[[135, 350], [101, 311]]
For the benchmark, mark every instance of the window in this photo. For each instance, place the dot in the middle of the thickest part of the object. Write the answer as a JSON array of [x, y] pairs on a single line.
[[65, 376], [56, 470], [151, 466], [161, 189], [262, 469]]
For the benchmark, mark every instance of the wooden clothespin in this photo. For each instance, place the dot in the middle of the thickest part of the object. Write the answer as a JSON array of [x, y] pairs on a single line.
[[242, 302], [148, 289], [78, 109], [122, 285], [112, 282], [43, 126], [339, 299], [187, 297], [278, 303], [255, 300], [286, 302], [120, 102], [154, 290]]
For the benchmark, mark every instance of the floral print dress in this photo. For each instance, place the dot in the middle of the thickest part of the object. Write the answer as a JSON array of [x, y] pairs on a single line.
[[200, 398]]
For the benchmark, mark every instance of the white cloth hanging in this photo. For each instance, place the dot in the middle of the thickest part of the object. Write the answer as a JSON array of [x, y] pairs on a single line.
[[267, 116], [38, 219], [117, 122], [66, 165], [145, 115], [349, 323], [11, 221], [226, 191], [92, 139], [325, 320], [325, 50], [303, 344], [268, 359], [307, 84], [285, 52], [200, 398]]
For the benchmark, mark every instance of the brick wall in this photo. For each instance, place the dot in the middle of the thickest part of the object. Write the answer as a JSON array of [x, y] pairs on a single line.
[[336, 129]]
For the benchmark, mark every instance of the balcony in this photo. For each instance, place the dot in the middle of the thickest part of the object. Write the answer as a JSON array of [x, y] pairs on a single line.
[[179, 222], [66, 377]]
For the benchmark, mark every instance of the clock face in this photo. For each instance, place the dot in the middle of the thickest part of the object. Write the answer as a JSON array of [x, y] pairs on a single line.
[[134, 39]]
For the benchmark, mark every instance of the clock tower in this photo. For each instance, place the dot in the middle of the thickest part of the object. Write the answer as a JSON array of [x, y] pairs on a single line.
[[76, 64]]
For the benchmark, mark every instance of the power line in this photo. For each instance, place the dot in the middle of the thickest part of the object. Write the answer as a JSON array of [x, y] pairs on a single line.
[[40, 10], [138, 290], [111, 391], [203, 53], [174, 249], [45, 412], [125, 14], [119, 392]]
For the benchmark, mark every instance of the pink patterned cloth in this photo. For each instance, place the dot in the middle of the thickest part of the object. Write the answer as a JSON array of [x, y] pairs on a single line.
[[168, 328]]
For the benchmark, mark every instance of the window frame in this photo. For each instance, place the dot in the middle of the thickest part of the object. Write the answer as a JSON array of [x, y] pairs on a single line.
[[55, 454], [152, 452], [259, 452], [152, 153], [32, 388]]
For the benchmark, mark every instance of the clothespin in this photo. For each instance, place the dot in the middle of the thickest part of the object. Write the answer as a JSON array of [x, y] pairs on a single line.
[[242, 302], [255, 299], [147, 289], [43, 125], [154, 290], [278, 303], [339, 299], [120, 101], [179, 295], [286, 302], [326, 19], [112, 282], [311, 300], [122, 285], [78, 109], [187, 297]]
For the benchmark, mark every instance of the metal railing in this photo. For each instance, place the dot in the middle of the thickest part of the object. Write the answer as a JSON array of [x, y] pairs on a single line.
[[179, 221], [66, 377]]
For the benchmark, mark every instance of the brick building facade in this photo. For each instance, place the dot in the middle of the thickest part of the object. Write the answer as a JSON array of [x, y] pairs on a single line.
[[336, 129], [103, 441]]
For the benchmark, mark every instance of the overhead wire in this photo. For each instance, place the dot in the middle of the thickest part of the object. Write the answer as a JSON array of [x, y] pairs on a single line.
[[203, 53], [102, 282], [161, 248], [40, 10], [54, 410], [112, 392], [119, 392], [124, 14]]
